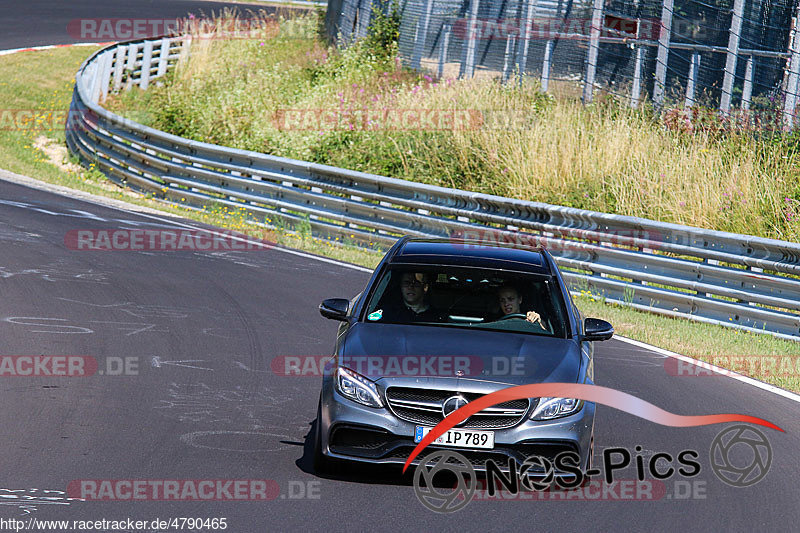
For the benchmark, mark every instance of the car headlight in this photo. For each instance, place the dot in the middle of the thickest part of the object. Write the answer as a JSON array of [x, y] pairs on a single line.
[[356, 387], [550, 408]]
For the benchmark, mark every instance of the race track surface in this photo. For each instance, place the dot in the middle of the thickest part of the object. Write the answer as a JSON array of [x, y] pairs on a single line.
[[203, 328]]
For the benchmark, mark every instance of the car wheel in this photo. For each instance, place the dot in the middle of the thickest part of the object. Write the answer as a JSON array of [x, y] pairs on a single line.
[[323, 464]]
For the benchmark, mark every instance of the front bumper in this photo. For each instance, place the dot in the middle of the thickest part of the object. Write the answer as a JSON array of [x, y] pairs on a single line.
[[355, 432]]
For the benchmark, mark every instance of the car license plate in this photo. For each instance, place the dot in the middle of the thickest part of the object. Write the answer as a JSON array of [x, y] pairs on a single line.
[[463, 438]]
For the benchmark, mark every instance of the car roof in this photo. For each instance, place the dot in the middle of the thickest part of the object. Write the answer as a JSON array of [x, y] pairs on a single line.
[[456, 252]]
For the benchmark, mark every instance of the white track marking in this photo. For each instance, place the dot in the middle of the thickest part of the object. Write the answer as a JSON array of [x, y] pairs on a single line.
[[49, 47], [729, 373]]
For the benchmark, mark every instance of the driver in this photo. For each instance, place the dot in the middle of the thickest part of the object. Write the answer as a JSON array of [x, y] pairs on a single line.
[[510, 301]]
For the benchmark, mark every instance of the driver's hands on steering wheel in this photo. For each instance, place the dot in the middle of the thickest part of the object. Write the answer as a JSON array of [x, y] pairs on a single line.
[[533, 317]]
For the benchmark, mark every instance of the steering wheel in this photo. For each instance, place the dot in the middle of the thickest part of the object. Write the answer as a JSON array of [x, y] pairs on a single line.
[[513, 315]]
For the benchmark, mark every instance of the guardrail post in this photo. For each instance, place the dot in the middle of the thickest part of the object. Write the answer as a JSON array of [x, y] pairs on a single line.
[[468, 67], [636, 90], [691, 83], [119, 66], [594, 49], [548, 57], [732, 56], [510, 42], [747, 91], [522, 49], [793, 67], [443, 50], [147, 61], [422, 34], [130, 65], [662, 56]]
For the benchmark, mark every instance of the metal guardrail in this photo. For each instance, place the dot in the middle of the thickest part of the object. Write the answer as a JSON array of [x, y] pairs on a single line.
[[723, 278]]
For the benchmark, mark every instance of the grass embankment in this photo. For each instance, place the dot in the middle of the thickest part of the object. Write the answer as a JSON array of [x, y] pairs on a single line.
[[277, 95], [40, 83], [43, 81]]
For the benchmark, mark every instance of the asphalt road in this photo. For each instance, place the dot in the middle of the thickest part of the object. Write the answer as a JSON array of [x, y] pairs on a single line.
[[203, 401]]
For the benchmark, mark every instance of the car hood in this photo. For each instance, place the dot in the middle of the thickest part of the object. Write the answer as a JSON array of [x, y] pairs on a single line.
[[401, 352]]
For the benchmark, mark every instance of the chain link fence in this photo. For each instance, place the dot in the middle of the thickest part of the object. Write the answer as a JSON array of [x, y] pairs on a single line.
[[739, 56]]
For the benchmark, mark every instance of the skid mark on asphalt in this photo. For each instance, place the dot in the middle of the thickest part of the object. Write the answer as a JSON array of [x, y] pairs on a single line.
[[157, 362], [55, 274], [238, 441], [17, 235], [57, 325], [139, 311], [235, 419], [29, 500], [49, 323]]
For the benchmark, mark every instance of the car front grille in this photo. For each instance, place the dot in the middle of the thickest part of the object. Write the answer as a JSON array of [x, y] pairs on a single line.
[[424, 406]]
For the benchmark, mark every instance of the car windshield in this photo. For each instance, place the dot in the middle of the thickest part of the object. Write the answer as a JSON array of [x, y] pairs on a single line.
[[469, 298]]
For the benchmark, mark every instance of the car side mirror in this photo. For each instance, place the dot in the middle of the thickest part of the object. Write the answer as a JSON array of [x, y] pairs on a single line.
[[335, 308], [595, 329]]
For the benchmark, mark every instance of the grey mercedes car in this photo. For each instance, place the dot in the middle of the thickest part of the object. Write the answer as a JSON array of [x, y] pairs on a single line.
[[439, 324]]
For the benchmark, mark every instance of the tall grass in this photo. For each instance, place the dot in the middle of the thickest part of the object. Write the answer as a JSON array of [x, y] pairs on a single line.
[[604, 156]]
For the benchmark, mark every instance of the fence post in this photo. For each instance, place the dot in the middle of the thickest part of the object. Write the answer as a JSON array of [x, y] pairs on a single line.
[[105, 74], [163, 57], [548, 57], [130, 65], [147, 60], [663, 53], [790, 101], [443, 50], [747, 92], [691, 83], [594, 48], [468, 68], [636, 90], [119, 65], [422, 34], [365, 16], [94, 70], [507, 58], [522, 49], [733, 55]]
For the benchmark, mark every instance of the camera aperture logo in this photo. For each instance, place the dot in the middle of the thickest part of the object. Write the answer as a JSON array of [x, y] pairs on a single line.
[[445, 499], [741, 445]]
